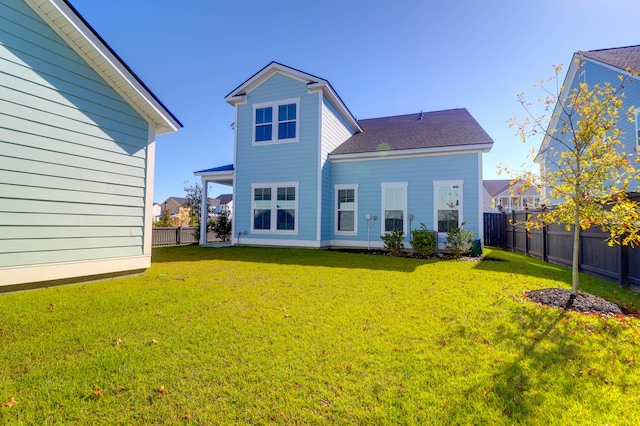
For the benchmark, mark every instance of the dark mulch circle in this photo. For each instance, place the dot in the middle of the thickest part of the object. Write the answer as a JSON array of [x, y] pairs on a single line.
[[583, 302]]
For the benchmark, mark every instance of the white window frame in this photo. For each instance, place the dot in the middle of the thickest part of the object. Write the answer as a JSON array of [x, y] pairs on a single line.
[[387, 185], [637, 135], [274, 207], [436, 185], [337, 189], [275, 121]]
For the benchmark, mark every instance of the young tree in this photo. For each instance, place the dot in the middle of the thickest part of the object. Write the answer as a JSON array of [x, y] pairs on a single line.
[[586, 171], [194, 202]]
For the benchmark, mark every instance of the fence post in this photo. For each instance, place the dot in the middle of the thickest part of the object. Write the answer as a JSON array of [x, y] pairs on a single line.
[[545, 251], [624, 265], [503, 230], [513, 231], [526, 234]]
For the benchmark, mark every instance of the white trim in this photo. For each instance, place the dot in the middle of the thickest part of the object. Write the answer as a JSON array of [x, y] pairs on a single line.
[[148, 195], [409, 153], [386, 185], [275, 121], [453, 182], [61, 18], [480, 202], [320, 191], [274, 208], [66, 270], [204, 211], [336, 199], [313, 84], [235, 173], [356, 243], [248, 241]]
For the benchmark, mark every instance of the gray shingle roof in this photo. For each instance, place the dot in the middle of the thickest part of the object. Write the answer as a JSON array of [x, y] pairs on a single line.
[[619, 57], [496, 186], [455, 127]]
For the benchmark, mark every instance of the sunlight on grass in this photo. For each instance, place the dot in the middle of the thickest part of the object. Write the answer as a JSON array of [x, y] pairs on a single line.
[[261, 336]]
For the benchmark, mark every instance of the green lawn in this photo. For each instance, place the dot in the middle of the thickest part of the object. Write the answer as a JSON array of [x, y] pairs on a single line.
[[277, 336]]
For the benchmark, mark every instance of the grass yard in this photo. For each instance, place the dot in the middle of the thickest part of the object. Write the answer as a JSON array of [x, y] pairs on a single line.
[[278, 336]]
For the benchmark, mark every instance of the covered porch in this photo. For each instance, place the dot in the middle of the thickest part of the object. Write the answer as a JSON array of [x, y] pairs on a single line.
[[223, 175]]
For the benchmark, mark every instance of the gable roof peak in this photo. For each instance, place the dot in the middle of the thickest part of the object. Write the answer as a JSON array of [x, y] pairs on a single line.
[[314, 83]]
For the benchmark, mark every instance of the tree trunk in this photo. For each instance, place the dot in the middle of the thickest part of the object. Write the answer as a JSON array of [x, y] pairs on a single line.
[[575, 264]]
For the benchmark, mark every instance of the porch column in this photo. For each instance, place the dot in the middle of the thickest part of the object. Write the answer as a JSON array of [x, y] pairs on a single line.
[[204, 212]]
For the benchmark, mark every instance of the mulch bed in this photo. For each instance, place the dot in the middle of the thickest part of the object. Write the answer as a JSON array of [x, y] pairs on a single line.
[[583, 302]]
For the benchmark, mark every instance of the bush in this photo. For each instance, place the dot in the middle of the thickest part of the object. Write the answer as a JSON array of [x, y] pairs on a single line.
[[459, 241], [393, 242], [424, 242], [222, 226]]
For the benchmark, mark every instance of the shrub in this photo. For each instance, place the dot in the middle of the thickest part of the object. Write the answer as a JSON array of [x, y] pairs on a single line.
[[222, 226], [424, 242], [393, 242], [459, 241]]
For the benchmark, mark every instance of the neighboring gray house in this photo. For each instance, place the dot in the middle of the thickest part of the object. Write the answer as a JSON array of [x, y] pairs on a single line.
[[77, 149]]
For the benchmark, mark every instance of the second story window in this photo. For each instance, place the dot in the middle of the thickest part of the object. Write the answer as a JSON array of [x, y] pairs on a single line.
[[264, 126], [276, 122]]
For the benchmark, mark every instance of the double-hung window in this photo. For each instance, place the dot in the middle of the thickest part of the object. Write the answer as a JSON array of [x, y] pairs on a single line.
[[346, 209], [394, 206], [275, 207], [447, 204], [276, 122]]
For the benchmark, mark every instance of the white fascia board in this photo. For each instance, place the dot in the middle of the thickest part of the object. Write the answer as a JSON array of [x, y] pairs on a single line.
[[68, 25], [262, 75], [224, 175], [408, 153], [333, 97]]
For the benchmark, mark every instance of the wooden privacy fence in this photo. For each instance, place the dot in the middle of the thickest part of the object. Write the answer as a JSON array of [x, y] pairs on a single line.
[[172, 236], [554, 243], [181, 235]]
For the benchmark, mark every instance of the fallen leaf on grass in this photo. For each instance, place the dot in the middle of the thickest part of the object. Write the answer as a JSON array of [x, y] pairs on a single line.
[[117, 341], [161, 390], [189, 417], [98, 392], [9, 404]]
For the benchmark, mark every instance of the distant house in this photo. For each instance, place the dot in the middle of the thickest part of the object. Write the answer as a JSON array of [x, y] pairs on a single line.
[[501, 196], [600, 67], [77, 149], [176, 208], [222, 203], [307, 173]]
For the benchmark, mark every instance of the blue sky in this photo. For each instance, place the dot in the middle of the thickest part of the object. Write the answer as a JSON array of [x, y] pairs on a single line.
[[383, 58]]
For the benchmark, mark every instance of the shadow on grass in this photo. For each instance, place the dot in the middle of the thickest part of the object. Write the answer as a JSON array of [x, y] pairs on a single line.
[[287, 256], [524, 265], [543, 362]]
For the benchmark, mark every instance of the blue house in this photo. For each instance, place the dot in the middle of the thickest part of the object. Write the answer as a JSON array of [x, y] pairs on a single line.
[[599, 67], [307, 173], [77, 150]]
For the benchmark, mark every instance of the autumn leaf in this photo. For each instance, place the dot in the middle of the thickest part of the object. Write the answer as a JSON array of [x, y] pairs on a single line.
[[98, 392], [117, 341], [9, 404], [161, 390]]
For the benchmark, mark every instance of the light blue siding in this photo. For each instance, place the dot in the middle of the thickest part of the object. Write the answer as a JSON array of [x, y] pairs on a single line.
[[420, 172], [285, 162], [599, 74], [335, 131], [73, 152]]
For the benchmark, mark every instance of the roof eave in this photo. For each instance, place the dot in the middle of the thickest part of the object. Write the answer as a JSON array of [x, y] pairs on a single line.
[[69, 24], [483, 147]]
